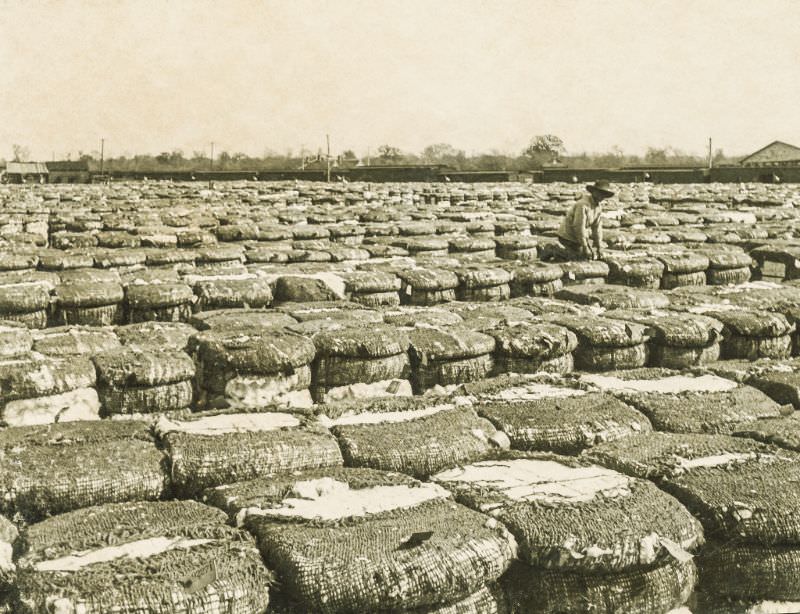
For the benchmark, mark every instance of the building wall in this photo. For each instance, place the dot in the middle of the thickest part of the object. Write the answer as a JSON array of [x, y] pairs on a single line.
[[775, 153]]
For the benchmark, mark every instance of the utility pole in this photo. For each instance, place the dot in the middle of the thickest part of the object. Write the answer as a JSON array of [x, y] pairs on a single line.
[[102, 151], [709, 153], [367, 156], [328, 156], [211, 161]]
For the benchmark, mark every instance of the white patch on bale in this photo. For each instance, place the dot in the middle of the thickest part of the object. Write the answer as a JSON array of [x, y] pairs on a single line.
[[368, 417], [716, 460], [228, 423], [79, 404], [140, 549], [541, 480], [360, 390], [667, 385], [329, 499]]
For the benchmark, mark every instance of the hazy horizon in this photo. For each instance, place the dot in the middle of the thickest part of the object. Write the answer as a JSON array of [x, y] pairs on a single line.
[[255, 75]]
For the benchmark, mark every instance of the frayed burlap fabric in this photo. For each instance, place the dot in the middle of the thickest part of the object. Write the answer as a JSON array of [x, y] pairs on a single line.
[[208, 568], [523, 347], [568, 514], [566, 425], [231, 293], [613, 296], [15, 339], [782, 432], [56, 468]]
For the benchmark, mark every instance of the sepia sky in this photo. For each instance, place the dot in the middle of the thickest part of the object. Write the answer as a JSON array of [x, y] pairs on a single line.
[[154, 75]]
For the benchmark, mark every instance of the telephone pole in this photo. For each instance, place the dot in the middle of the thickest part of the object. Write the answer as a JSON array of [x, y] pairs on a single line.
[[211, 161], [709, 153], [102, 150], [328, 156]]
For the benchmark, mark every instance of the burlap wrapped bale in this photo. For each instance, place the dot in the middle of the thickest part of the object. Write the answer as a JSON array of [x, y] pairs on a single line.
[[783, 432], [15, 339], [62, 259], [169, 302], [421, 316], [213, 448], [726, 277], [231, 293], [652, 590], [682, 262], [170, 336], [483, 283], [90, 276], [611, 296], [372, 288], [678, 280], [240, 319], [781, 385], [568, 514], [703, 411], [18, 260], [566, 424], [175, 556], [29, 376], [330, 310], [68, 341], [422, 286], [531, 347], [358, 354], [679, 340], [61, 467], [360, 559], [448, 356], [657, 455], [590, 271], [223, 355], [605, 344], [737, 570], [637, 271], [419, 440], [754, 334], [26, 303], [516, 247]]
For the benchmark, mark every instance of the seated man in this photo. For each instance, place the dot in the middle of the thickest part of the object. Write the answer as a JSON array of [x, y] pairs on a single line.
[[580, 218]]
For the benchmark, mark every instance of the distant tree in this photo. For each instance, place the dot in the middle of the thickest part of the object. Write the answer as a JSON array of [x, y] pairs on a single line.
[[544, 148], [655, 155], [21, 153], [388, 153]]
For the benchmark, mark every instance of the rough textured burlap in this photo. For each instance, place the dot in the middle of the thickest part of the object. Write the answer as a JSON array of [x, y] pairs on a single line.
[[610, 358], [60, 467], [613, 296], [141, 297], [752, 348], [331, 371], [657, 455], [359, 564], [781, 386], [678, 280], [362, 341], [15, 339], [599, 332], [421, 279], [153, 399], [624, 526], [23, 298], [725, 277], [169, 336], [223, 574], [417, 447], [703, 412], [536, 341], [436, 344], [432, 373], [128, 366], [675, 329], [783, 432], [240, 318], [652, 590], [330, 310], [29, 376], [260, 351], [203, 461], [231, 293], [566, 425], [89, 294], [750, 571]]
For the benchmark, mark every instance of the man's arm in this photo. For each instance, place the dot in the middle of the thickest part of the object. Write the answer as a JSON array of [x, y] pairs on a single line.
[[597, 236]]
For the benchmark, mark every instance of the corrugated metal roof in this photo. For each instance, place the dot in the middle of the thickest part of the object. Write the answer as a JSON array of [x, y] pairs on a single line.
[[26, 168]]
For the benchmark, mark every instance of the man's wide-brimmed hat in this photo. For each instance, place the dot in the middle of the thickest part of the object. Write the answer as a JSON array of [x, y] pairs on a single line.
[[601, 186]]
